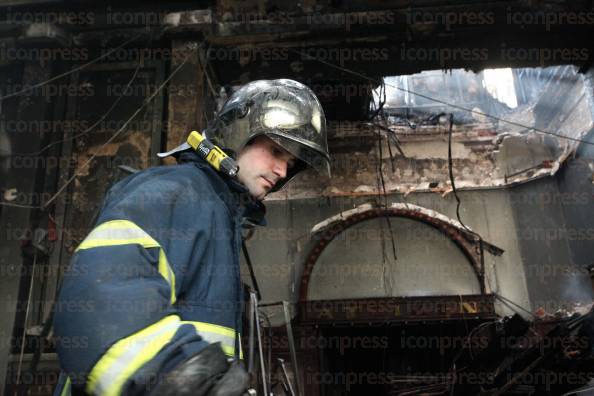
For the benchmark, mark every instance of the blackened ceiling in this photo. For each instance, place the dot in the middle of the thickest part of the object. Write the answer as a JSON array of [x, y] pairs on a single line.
[[335, 46]]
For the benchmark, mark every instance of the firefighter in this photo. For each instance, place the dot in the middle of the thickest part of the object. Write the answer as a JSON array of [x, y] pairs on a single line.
[[157, 279]]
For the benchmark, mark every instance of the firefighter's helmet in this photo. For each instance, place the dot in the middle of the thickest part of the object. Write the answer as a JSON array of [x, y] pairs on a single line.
[[284, 110]]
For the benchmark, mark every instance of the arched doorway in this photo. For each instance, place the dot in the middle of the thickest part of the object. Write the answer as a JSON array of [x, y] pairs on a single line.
[[388, 290], [399, 250]]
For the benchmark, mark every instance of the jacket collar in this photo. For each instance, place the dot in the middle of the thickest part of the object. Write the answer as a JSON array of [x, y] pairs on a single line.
[[238, 199]]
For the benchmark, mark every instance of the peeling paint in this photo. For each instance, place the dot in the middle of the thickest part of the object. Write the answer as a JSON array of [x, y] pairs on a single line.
[[482, 159], [183, 116], [140, 141]]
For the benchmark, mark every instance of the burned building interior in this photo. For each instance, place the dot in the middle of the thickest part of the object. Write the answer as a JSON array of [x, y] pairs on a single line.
[[450, 252]]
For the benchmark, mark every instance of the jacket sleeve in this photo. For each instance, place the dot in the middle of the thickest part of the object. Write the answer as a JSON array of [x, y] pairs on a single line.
[[118, 296]]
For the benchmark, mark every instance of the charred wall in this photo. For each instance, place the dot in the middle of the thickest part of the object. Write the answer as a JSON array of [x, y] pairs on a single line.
[[551, 227], [278, 250], [553, 215]]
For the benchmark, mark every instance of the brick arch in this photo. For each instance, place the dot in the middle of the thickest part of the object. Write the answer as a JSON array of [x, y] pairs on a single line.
[[323, 233]]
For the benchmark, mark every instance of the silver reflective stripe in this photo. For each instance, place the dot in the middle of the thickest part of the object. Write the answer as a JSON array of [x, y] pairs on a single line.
[[118, 233], [216, 333], [214, 337]]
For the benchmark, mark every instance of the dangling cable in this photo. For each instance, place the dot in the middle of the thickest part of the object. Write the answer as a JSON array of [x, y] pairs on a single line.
[[380, 172], [251, 268], [119, 131], [99, 120], [458, 203], [59, 76], [24, 336]]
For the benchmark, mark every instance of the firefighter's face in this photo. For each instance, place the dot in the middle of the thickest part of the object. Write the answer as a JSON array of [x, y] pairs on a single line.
[[263, 163]]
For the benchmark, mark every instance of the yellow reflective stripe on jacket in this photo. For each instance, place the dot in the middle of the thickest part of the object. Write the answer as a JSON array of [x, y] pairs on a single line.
[[126, 356], [66, 391], [124, 232], [129, 354], [215, 333]]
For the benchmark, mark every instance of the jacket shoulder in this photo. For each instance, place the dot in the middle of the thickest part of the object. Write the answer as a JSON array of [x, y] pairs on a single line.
[[171, 180], [160, 192]]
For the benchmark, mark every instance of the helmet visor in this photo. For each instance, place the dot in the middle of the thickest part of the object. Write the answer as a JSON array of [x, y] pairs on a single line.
[[309, 156]]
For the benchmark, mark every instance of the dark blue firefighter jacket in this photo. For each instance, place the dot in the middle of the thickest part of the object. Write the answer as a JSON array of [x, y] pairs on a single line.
[[155, 281]]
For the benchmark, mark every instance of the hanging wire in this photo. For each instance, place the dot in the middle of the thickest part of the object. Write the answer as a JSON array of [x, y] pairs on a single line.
[[205, 71], [459, 203], [578, 391], [15, 205], [88, 130], [99, 120], [119, 131], [380, 172], [27, 310], [115, 135], [111, 108], [81, 67], [507, 301], [454, 368], [385, 196]]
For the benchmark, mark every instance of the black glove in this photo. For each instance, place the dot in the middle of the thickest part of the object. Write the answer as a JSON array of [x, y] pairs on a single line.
[[206, 374]]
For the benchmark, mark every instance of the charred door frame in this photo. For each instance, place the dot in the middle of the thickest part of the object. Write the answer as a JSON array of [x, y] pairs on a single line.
[[28, 108], [313, 316]]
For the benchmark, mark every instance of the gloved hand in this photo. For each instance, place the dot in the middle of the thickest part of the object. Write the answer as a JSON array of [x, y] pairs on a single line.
[[206, 374]]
